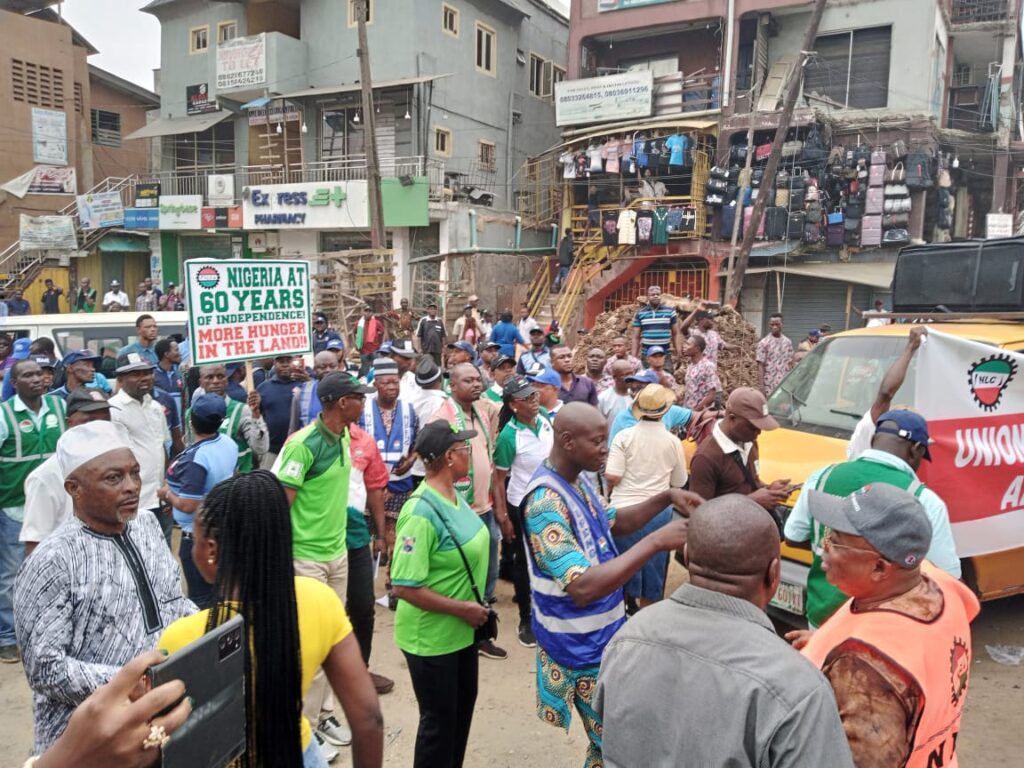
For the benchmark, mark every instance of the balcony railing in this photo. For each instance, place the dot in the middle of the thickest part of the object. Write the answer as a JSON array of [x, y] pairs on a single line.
[[193, 181], [975, 11]]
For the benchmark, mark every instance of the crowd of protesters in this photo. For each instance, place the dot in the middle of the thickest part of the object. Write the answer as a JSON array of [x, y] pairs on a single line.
[[453, 459]]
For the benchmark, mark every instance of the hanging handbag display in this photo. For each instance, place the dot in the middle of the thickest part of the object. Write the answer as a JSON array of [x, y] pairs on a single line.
[[717, 184], [782, 198], [714, 198], [790, 149], [919, 170], [879, 156], [898, 149], [891, 220], [834, 235], [852, 225], [738, 153], [944, 180], [836, 217], [814, 151], [719, 172], [876, 176], [897, 205], [762, 151], [896, 175], [896, 236]]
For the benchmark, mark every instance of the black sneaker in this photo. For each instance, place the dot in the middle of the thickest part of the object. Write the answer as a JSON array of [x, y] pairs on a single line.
[[526, 637], [491, 651]]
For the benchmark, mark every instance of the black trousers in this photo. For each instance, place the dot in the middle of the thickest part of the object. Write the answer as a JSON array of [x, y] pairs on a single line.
[[359, 597], [520, 566], [445, 688]]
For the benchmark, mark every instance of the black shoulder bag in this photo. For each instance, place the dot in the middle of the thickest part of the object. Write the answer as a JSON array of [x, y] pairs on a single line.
[[489, 629]]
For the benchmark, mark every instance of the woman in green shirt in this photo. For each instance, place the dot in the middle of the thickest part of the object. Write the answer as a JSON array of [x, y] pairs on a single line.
[[438, 600]]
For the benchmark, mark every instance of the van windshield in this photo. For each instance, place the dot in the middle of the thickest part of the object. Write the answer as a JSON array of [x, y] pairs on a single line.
[[832, 388], [104, 338]]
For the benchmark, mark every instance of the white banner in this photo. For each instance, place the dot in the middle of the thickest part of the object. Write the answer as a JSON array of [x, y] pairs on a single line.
[[973, 397], [43, 180], [40, 233], [181, 211], [242, 62], [244, 309], [49, 136], [100, 209], [613, 97], [314, 205]]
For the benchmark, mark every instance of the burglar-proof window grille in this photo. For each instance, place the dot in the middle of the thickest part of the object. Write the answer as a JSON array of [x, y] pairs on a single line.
[[488, 156], [37, 84], [106, 128], [851, 68]]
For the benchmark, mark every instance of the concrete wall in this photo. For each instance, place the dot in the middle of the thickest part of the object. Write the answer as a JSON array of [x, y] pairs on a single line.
[[911, 65], [46, 44], [178, 67], [132, 156]]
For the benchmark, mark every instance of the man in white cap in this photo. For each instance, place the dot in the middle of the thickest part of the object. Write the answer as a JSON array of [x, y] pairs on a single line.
[[47, 504], [115, 296], [144, 420], [100, 589]]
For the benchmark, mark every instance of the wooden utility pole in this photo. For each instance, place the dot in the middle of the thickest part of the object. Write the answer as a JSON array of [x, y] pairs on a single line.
[[377, 239], [744, 185], [735, 278]]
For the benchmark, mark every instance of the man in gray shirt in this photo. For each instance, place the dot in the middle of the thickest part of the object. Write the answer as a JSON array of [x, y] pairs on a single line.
[[702, 679]]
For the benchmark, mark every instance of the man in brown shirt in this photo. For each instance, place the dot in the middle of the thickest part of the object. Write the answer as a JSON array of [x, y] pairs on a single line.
[[727, 462]]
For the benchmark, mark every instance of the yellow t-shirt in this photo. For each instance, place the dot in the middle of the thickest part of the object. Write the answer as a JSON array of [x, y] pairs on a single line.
[[323, 624]]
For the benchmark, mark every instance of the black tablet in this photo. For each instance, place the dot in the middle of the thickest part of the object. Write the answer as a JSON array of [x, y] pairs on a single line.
[[213, 671]]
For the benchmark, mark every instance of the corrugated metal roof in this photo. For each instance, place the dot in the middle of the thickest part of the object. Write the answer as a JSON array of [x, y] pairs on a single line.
[[173, 126], [327, 90]]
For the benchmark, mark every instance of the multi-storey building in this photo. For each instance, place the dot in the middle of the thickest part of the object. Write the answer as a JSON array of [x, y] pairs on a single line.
[[64, 124], [937, 81], [264, 99]]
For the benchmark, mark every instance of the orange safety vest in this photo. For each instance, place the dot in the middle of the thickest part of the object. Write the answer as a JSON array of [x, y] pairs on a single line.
[[937, 654]]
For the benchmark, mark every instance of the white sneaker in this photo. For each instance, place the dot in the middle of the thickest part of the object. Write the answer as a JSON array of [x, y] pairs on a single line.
[[334, 732], [330, 753]]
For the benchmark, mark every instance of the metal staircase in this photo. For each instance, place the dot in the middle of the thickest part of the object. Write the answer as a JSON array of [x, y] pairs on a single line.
[[18, 268]]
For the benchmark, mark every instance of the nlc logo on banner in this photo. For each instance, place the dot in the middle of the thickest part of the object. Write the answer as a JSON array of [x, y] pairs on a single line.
[[974, 402]]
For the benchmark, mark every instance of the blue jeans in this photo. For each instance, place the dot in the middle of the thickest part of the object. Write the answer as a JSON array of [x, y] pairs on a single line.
[[563, 272], [649, 581], [313, 757], [492, 562], [199, 591], [12, 553]]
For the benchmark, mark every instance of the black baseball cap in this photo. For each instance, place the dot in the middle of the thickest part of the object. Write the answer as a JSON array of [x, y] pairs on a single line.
[[437, 437], [86, 400], [337, 385], [518, 388], [501, 360]]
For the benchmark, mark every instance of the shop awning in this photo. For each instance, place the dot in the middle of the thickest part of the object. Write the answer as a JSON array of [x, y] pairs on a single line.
[[378, 85], [262, 101], [872, 274], [123, 243], [173, 126]]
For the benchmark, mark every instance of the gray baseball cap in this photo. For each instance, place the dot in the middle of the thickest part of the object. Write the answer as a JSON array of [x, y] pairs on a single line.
[[888, 518]]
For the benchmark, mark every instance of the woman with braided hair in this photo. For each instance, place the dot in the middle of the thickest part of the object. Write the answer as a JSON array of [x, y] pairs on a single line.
[[243, 546]]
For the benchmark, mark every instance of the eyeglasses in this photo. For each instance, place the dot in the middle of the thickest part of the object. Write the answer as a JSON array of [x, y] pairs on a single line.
[[464, 447], [829, 541]]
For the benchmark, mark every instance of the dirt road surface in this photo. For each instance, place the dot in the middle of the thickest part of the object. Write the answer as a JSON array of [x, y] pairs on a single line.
[[506, 731]]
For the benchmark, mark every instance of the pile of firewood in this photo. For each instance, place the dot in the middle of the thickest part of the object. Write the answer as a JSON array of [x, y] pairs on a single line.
[[735, 369]]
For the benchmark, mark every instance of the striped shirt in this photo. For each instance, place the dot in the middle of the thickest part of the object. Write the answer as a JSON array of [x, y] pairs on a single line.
[[85, 604], [655, 324]]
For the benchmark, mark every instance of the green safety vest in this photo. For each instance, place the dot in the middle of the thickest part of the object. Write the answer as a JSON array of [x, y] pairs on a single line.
[[823, 599], [26, 447], [230, 427]]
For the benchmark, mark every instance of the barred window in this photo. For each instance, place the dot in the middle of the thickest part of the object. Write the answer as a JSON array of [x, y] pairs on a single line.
[[106, 128]]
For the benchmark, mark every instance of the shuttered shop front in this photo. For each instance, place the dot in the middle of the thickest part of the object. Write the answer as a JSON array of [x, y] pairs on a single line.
[[808, 302]]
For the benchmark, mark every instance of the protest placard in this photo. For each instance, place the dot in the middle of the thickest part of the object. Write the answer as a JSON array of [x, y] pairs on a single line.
[[245, 309]]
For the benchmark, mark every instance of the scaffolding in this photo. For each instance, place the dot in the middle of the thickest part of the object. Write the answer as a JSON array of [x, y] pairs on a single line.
[[347, 281]]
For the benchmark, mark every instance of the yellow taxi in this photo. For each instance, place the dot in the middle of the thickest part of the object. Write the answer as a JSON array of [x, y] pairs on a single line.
[[818, 405]]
